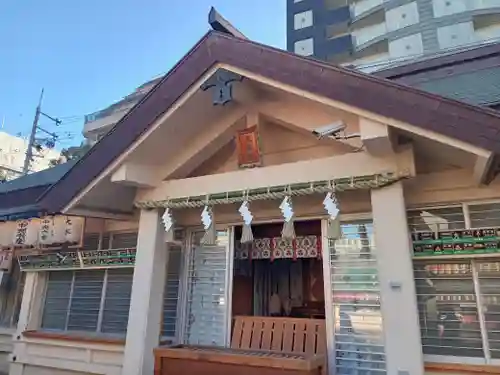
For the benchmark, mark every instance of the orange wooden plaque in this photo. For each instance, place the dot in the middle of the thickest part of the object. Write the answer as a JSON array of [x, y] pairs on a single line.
[[247, 142]]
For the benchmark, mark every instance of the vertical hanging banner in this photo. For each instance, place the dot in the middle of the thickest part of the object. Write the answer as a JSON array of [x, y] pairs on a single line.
[[74, 229], [21, 233], [46, 230], [58, 230]]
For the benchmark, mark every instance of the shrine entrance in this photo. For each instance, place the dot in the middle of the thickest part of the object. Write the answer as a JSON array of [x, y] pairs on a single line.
[[273, 276]]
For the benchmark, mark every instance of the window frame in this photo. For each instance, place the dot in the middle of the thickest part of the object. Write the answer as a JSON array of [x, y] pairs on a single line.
[[100, 317], [473, 259], [102, 303]]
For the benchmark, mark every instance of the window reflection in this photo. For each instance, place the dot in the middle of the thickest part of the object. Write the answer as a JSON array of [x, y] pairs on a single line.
[[485, 215], [449, 321], [436, 219], [489, 285], [356, 301]]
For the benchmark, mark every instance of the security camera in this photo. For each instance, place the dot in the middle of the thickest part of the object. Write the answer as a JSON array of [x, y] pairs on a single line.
[[331, 130]]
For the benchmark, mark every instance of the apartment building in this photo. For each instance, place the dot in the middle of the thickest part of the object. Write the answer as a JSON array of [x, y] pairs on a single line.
[[12, 154], [97, 124], [364, 32]]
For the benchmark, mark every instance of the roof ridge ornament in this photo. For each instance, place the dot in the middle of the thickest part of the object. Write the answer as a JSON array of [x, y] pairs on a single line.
[[219, 23]]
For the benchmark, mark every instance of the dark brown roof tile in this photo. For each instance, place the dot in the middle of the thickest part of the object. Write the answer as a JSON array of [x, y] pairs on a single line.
[[474, 125]]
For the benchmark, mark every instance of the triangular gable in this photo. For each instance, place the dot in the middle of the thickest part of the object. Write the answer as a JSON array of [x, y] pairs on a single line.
[[473, 125]]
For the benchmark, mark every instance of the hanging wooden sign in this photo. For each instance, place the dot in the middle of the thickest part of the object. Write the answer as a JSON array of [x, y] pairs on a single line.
[[49, 261], [247, 145], [108, 258], [51, 232], [456, 242], [81, 259]]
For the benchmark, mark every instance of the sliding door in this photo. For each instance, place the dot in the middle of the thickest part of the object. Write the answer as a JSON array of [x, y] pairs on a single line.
[[208, 280]]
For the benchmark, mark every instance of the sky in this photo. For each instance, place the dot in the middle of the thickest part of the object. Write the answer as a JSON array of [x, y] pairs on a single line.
[[89, 54]]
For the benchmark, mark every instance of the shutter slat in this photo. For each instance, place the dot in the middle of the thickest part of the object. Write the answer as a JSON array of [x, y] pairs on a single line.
[[124, 240], [91, 241], [57, 300], [86, 300], [117, 301]]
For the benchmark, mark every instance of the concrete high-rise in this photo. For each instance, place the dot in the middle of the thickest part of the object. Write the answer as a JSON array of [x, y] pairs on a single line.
[[364, 32]]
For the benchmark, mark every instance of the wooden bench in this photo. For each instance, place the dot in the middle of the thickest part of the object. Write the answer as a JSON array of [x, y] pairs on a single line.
[[288, 335], [259, 345]]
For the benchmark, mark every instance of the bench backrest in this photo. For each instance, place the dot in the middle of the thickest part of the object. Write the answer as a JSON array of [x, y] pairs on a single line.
[[289, 335]]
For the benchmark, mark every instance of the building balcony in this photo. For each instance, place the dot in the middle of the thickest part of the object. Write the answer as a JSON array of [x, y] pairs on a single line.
[[101, 122], [364, 36], [365, 7]]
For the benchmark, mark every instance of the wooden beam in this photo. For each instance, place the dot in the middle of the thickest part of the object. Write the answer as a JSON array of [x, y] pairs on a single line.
[[481, 168], [205, 144], [132, 174], [293, 116], [377, 138], [343, 166], [95, 213]]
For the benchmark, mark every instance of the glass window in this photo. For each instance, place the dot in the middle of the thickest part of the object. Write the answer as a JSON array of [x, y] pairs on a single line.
[[484, 215], [489, 286], [449, 321], [88, 301], [124, 240], [359, 346], [436, 219]]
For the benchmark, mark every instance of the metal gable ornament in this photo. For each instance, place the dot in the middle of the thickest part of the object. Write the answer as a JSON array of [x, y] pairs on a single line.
[[246, 232], [207, 219], [287, 212], [168, 223], [221, 84], [331, 206]]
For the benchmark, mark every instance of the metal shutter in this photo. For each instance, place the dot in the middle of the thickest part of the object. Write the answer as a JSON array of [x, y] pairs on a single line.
[[489, 291], [171, 293], [57, 299], [124, 240], [117, 300], [91, 241], [206, 305], [358, 332], [85, 300], [447, 306], [105, 241]]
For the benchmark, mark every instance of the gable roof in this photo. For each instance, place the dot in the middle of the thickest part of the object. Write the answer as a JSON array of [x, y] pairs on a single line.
[[467, 123], [18, 197]]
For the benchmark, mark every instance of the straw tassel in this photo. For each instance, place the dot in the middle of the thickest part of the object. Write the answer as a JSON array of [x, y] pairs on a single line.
[[288, 230], [246, 232], [333, 229]]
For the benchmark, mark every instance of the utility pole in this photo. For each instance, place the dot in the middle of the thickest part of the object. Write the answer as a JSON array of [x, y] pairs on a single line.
[[29, 151], [31, 143]]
